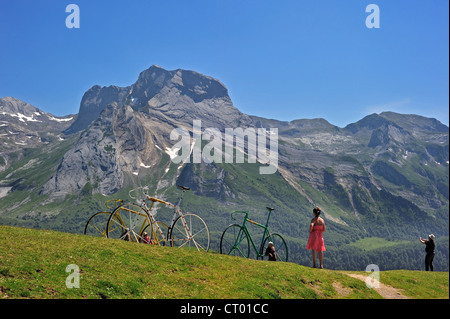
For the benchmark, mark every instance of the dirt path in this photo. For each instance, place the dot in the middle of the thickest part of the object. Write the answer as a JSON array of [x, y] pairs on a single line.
[[385, 291]]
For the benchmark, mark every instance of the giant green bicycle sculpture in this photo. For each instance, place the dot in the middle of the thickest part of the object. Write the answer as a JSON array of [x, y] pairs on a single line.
[[237, 241]]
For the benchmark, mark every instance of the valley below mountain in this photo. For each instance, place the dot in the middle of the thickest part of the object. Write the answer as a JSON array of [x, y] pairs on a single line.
[[381, 182]]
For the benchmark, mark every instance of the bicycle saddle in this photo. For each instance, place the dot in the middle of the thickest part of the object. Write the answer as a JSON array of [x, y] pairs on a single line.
[[270, 208], [183, 188]]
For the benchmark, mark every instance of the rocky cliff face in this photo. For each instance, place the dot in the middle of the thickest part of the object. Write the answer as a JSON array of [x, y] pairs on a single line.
[[182, 96], [93, 162], [94, 101], [128, 129]]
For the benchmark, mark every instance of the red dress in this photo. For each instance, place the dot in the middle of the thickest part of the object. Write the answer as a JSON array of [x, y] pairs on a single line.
[[315, 240]]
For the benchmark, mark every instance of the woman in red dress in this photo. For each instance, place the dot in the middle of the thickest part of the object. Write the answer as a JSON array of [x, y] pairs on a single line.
[[315, 240]]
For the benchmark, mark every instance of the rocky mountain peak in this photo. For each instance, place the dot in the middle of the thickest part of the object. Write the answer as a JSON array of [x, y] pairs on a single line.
[[194, 85], [127, 127], [415, 123], [177, 94], [12, 105], [94, 101], [15, 112], [370, 122]]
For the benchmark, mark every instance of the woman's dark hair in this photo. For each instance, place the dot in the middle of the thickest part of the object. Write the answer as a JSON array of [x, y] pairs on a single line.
[[316, 211]]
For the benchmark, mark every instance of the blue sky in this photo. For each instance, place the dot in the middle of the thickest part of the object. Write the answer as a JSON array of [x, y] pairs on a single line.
[[279, 59]]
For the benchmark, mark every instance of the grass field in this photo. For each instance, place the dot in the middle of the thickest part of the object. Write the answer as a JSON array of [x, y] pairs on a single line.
[[33, 265], [370, 243]]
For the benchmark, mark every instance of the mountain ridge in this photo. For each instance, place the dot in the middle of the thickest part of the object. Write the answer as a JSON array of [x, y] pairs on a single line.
[[147, 91], [24, 125]]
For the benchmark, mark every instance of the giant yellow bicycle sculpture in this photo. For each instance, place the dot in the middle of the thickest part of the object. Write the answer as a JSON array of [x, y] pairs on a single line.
[[134, 222]]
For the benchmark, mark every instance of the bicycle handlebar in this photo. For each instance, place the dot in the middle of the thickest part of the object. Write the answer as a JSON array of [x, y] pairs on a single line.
[[135, 190], [115, 203]]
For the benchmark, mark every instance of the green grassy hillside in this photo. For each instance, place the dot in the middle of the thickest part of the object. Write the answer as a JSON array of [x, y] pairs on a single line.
[[33, 265]]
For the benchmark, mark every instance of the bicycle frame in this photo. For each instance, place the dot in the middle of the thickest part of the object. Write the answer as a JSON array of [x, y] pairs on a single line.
[[186, 229], [176, 212], [259, 253], [132, 223]]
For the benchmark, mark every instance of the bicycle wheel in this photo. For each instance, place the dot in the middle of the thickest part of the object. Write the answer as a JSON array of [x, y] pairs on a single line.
[[96, 225], [235, 241], [154, 231], [190, 230], [127, 222], [280, 246]]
